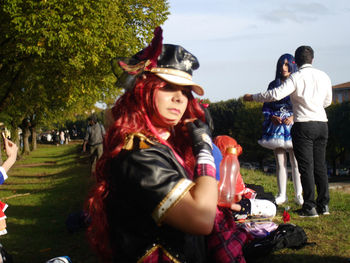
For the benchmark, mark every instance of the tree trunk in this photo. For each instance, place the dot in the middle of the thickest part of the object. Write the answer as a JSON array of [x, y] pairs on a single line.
[[14, 130], [26, 134], [34, 146]]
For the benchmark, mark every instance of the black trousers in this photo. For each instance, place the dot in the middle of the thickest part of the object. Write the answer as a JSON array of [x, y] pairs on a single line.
[[309, 145]]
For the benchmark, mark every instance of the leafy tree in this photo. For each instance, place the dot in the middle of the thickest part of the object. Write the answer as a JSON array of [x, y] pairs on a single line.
[[243, 122], [55, 55], [224, 115], [251, 119], [339, 129]]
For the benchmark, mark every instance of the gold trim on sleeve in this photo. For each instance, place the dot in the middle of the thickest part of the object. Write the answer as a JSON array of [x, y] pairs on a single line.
[[153, 249], [171, 199]]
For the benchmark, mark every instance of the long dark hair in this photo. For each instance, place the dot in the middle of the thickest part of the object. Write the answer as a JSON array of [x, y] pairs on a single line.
[[291, 66]]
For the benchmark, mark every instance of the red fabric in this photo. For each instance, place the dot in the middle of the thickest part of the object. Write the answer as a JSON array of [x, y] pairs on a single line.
[[154, 49], [226, 240], [248, 193], [2, 215], [242, 190], [240, 186], [3, 206], [286, 217]]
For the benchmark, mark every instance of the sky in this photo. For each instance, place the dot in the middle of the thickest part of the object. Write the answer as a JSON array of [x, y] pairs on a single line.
[[238, 42]]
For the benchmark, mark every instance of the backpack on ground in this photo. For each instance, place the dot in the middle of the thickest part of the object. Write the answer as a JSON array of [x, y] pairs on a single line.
[[285, 236], [289, 236]]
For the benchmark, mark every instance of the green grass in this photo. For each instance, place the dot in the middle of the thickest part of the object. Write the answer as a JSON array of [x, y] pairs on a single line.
[[52, 182], [331, 233], [41, 191]]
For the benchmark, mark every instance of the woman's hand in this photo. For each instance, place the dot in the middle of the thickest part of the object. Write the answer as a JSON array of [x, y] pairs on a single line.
[[11, 152], [236, 207], [195, 212], [276, 120], [288, 120], [200, 134]]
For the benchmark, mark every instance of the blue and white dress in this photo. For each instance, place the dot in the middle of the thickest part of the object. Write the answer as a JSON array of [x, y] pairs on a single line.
[[3, 175], [3, 206], [276, 136]]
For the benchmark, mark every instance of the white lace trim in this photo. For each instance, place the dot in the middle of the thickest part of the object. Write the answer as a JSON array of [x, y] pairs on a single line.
[[276, 143]]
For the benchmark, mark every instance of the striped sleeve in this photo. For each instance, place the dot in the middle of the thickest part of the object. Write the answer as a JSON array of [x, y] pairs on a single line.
[[3, 175]]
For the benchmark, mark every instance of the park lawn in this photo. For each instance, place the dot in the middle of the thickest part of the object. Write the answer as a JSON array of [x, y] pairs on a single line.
[[52, 182], [331, 233], [41, 191]]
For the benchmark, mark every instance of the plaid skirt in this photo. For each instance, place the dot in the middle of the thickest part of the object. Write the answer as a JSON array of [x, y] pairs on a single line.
[[225, 243]]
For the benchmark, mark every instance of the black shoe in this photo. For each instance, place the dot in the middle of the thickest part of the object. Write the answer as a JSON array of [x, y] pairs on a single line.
[[308, 212], [323, 210]]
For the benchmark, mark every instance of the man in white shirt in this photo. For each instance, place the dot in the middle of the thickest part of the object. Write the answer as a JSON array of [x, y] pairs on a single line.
[[310, 92]]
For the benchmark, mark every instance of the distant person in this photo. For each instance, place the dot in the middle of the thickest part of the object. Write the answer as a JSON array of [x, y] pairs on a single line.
[[94, 138], [55, 137], [276, 133], [310, 92], [74, 132], [62, 137], [66, 136], [11, 150]]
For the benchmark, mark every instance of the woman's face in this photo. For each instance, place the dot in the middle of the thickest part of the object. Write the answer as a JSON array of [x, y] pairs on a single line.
[[171, 102], [285, 69]]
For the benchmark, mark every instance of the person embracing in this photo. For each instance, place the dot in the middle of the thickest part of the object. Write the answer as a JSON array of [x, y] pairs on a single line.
[[310, 92], [278, 121]]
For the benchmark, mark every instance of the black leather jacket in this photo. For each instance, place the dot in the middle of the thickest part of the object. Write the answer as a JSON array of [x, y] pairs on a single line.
[[146, 180]]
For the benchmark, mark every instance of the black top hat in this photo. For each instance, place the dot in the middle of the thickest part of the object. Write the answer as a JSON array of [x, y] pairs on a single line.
[[170, 62]]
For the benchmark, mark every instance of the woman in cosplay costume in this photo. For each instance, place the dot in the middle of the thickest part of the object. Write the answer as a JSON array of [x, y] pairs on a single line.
[[155, 199], [11, 152], [276, 132]]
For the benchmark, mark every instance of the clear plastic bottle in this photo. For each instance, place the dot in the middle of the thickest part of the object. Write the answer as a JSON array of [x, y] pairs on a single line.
[[229, 169]]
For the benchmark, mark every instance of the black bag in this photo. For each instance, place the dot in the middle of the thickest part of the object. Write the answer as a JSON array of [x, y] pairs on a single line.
[[285, 236], [260, 192], [289, 236]]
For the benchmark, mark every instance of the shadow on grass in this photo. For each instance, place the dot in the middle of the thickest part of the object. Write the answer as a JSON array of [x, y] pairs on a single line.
[[290, 257], [45, 166], [36, 176], [37, 233]]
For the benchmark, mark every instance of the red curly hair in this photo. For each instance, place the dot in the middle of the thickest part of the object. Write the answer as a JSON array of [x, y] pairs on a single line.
[[131, 114]]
